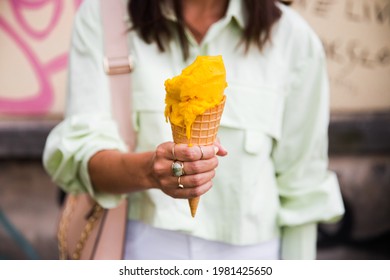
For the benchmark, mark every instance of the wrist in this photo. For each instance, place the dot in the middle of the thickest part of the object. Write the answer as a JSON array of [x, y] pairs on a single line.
[[138, 168], [152, 181]]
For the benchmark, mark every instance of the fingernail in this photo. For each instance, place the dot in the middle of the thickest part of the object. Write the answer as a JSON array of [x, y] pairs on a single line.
[[216, 150]]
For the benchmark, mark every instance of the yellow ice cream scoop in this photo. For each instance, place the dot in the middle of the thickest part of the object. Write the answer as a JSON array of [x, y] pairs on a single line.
[[194, 104], [198, 88]]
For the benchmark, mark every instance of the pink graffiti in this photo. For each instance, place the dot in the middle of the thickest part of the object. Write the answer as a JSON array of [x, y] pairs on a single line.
[[17, 7], [42, 100]]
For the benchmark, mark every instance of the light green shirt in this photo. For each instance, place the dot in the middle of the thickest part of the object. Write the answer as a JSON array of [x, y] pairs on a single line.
[[274, 180]]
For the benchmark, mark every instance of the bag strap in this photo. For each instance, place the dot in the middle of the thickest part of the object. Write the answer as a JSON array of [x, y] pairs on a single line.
[[117, 65]]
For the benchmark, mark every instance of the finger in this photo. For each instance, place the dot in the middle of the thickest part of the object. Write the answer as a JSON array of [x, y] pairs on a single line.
[[193, 181], [199, 166], [167, 151], [191, 192], [221, 150], [194, 153]]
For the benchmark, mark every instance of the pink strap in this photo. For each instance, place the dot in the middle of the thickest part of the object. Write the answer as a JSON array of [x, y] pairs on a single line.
[[118, 65]]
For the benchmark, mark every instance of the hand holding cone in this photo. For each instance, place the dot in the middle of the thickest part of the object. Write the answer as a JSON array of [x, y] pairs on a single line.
[[203, 133], [194, 104]]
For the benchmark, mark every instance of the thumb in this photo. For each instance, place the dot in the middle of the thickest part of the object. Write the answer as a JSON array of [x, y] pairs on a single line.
[[221, 150]]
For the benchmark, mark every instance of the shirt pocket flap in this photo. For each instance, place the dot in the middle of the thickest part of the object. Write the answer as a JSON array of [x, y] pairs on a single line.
[[255, 109], [254, 141]]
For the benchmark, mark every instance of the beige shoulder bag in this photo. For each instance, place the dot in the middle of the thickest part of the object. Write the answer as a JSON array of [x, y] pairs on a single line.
[[86, 230]]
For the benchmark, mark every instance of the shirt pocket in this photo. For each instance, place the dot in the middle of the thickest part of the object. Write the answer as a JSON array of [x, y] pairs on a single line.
[[149, 120], [255, 110]]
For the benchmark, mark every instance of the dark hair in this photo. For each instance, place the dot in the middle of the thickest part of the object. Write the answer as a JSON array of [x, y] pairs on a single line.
[[148, 20]]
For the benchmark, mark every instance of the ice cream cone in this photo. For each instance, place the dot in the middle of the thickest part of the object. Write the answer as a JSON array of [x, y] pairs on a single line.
[[203, 133], [193, 202], [194, 104]]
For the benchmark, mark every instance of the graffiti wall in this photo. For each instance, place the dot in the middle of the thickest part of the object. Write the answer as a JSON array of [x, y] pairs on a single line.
[[356, 37], [35, 35], [34, 40]]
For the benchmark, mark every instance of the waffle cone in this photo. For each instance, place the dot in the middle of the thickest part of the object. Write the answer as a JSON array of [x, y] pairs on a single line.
[[203, 133], [193, 203]]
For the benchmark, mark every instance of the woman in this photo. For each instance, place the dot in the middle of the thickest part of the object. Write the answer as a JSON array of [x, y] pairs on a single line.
[[264, 199]]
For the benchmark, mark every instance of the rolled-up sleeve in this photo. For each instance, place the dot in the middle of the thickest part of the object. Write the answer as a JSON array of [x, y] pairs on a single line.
[[309, 192], [88, 126]]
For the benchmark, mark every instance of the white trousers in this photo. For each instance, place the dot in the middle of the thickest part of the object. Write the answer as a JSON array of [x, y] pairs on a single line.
[[144, 242]]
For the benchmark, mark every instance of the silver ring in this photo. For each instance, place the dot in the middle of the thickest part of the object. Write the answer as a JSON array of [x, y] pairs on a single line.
[[178, 168], [201, 151], [180, 185], [173, 151]]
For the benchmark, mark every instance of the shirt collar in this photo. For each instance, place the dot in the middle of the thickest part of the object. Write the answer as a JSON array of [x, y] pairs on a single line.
[[167, 10], [235, 11]]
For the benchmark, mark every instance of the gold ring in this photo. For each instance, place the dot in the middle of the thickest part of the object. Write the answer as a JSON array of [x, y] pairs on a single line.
[[180, 185], [201, 151], [173, 152]]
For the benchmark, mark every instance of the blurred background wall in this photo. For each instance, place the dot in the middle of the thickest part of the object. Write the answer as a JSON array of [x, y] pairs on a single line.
[[34, 40], [356, 38]]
